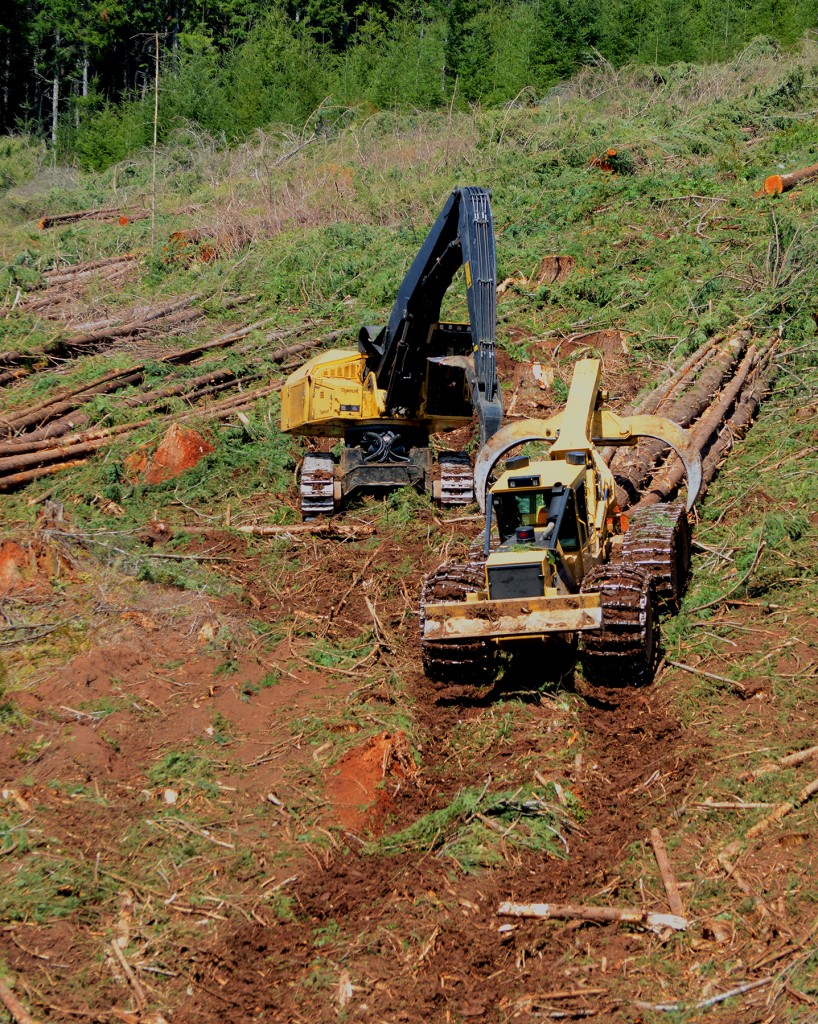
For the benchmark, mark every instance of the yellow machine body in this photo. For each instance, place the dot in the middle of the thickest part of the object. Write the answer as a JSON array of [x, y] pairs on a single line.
[[533, 588], [334, 391]]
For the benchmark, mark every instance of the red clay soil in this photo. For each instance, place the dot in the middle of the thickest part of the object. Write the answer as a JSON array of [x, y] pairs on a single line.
[[309, 921], [362, 786], [13, 561], [180, 449], [428, 946]]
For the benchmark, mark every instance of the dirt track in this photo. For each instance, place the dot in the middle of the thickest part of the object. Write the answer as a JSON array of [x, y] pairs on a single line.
[[249, 899]]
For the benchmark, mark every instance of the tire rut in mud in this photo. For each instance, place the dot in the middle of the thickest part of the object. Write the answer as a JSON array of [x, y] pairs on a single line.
[[635, 754]]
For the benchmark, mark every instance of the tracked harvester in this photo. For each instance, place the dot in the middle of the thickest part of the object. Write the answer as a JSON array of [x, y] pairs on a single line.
[[556, 559], [412, 378]]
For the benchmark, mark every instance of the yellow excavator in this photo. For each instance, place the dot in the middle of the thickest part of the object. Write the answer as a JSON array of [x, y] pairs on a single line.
[[555, 559], [412, 378]]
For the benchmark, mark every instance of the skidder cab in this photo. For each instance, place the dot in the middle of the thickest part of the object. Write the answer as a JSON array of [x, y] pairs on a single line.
[[541, 512], [551, 561]]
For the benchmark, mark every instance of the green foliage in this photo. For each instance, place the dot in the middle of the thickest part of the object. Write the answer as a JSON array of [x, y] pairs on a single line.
[[469, 829], [49, 888], [20, 158], [231, 68], [180, 766], [111, 133]]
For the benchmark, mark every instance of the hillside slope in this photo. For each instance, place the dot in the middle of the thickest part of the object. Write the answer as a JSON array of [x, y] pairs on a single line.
[[226, 789]]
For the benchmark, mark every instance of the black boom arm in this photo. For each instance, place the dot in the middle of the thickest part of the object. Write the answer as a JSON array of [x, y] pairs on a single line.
[[463, 235]]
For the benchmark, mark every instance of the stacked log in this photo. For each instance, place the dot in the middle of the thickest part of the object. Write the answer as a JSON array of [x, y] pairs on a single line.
[[41, 439], [715, 395]]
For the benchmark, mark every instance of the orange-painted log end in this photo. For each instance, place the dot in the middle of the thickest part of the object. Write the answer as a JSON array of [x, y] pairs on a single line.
[[774, 185]]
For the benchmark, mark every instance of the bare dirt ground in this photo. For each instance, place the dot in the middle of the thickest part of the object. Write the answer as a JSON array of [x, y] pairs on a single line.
[[208, 793], [245, 884]]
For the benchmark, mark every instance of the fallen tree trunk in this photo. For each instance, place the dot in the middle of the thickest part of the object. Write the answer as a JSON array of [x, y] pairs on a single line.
[[328, 529], [68, 275], [601, 915], [136, 326], [47, 444], [679, 379], [113, 213], [58, 405], [62, 348], [11, 483], [48, 410]]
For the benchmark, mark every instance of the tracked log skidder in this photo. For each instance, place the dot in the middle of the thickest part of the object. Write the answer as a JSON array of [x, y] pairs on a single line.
[[555, 559], [412, 378]]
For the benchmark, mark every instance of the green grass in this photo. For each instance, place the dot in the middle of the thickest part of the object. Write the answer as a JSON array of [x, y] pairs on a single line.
[[469, 829], [179, 766]]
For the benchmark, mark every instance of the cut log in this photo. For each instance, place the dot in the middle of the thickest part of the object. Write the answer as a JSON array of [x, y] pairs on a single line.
[[108, 214], [601, 915], [775, 184], [685, 401], [15, 480], [667, 480]]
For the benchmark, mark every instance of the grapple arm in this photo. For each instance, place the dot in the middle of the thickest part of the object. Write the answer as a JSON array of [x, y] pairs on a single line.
[[606, 429]]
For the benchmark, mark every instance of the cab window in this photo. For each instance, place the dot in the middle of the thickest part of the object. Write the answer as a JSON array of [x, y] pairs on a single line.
[[528, 508]]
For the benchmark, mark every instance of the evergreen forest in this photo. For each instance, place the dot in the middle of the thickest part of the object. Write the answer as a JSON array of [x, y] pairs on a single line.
[[81, 75]]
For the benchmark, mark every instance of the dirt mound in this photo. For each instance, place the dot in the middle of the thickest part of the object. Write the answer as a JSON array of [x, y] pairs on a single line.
[[13, 562], [181, 448], [356, 786]]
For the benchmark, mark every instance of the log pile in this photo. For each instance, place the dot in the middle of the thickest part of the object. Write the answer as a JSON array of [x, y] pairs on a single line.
[[64, 283], [715, 394], [182, 313], [56, 433]]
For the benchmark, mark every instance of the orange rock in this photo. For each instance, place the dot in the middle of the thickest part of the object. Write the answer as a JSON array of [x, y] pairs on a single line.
[[180, 449]]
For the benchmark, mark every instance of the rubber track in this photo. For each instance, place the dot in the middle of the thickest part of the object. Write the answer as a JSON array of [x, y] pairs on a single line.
[[658, 540]]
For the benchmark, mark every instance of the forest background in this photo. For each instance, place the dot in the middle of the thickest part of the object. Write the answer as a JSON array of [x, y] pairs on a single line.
[[80, 74]]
